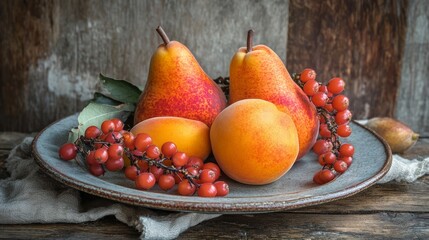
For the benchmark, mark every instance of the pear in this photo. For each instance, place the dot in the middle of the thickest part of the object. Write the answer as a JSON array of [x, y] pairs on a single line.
[[399, 136], [178, 86], [258, 72]]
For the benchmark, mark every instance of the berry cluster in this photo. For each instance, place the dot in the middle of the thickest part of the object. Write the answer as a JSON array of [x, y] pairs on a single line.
[[110, 145], [334, 117]]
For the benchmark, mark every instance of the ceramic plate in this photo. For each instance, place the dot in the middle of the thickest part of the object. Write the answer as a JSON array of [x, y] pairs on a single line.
[[295, 189]]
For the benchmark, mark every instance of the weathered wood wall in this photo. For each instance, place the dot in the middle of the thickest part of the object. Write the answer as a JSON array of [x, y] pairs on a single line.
[[361, 41], [51, 51], [413, 93]]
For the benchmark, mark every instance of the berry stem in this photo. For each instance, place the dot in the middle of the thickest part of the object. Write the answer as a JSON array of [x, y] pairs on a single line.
[[163, 35], [159, 163], [250, 40]]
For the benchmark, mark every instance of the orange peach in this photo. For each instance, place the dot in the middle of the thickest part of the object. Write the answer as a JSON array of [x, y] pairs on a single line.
[[190, 136], [254, 142]]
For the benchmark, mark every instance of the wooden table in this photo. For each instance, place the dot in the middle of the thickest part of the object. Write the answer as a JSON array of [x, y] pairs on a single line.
[[388, 211]]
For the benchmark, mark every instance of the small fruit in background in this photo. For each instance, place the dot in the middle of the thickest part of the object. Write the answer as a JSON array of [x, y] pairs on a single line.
[[253, 142], [190, 136], [399, 136]]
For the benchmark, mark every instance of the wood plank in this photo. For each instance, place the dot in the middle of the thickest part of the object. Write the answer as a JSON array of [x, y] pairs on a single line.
[[388, 197], [309, 226], [360, 41], [53, 51], [261, 226], [26, 36], [106, 228], [413, 101]]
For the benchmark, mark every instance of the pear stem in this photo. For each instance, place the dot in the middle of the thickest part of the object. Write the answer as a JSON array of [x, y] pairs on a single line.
[[163, 35], [250, 40]]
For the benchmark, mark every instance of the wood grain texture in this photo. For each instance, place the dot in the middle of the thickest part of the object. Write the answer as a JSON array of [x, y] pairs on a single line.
[[313, 226], [106, 228], [52, 51], [360, 41], [25, 37], [413, 92]]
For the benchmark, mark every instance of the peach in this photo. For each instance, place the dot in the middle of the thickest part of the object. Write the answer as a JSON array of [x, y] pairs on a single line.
[[190, 136], [254, 142]]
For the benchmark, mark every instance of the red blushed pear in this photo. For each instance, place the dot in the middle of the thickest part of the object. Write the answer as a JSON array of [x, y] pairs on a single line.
[[258, 72], [178, 86]]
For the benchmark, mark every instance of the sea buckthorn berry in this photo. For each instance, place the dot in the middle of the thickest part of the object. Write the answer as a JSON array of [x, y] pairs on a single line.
[[316, 178], [322, 146], [119, 125], [145, 181], [101, 155], [324, 130], [207, 190], [347, 160], [180, 159], [142, 141], [214, 167], [114, 164], [166, 182], [336, 85], [207, 176], [115, 151], [343, 117], [319, 99], [344, 130], [307, 75], [327, 158], [186, 188], [340, 103], [90, 159], [222, 188], [326, 175], [311, 87], [68, 151], [96, 170], [92, 132], [346, 150], [340, 166], [195, 162], [168, 149], [131, 172], [108, 126], [152, 151]]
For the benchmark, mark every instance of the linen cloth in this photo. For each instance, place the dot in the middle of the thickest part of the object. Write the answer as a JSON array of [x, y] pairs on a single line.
[[30, 196]]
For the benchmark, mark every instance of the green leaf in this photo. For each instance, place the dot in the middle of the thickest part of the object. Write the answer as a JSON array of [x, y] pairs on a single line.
[[120, 90], [103, 99], [95, 114]]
